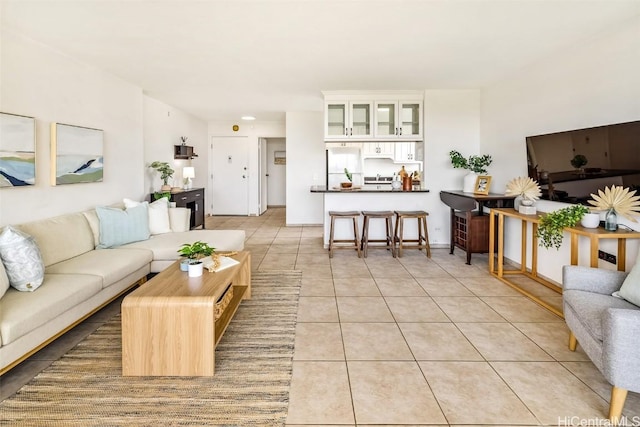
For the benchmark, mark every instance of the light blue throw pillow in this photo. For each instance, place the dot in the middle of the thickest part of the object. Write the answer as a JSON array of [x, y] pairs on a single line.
[[119, 227], [22, 260]]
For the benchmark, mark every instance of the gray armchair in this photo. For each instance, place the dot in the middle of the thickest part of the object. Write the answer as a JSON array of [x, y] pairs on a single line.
[[607, 328]]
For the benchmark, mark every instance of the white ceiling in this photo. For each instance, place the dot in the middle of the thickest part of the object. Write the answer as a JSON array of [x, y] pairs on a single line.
[[219, 60]]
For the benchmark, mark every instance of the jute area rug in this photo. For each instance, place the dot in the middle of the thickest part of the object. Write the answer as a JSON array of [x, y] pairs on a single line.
[[250, 388]]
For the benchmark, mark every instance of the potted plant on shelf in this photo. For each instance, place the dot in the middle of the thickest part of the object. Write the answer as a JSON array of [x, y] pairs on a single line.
[[166, 172], [474, 164], [616, 200], [193, 253], [347, 184], [552, 224]]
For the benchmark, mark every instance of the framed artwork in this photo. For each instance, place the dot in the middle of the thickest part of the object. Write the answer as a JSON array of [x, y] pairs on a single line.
[[17, 150], [76, 154], [482, 184], [279, 157]]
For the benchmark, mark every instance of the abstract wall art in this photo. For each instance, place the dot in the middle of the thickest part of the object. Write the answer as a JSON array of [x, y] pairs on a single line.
[[17, 150], [76, 154]]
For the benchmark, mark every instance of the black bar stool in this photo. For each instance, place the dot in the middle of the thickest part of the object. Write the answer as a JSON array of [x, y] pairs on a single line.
[[422, 242], [388, 242], [353, 243]]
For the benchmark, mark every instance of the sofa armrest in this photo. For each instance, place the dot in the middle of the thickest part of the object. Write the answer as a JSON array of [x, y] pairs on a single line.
[[595, 280], [179, 219], [621, 341]]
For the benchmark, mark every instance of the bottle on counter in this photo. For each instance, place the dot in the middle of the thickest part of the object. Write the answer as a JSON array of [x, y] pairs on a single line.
[[403, 172]]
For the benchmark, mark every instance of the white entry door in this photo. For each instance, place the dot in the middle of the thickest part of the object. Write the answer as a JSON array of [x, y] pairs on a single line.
[[230, 175], [263, 175]]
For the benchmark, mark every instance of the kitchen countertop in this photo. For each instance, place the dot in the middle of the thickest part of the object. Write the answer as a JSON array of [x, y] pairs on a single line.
[[364, 189]]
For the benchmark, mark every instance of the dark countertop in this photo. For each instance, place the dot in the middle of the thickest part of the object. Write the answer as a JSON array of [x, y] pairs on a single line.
[[364, 189]]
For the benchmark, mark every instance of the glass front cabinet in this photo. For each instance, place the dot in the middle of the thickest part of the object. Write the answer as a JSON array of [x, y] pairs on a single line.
[[398, 120], [373, 116], [348, 120]]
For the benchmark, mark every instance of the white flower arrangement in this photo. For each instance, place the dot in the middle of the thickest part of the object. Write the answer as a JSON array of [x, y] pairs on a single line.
[[525, 187], [618, 198]]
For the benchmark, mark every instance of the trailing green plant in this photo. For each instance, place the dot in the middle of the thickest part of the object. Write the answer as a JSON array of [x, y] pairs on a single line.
[[578, 161], [552, 225], [166, 171], [477, 164], [348, 174], [196, 250]]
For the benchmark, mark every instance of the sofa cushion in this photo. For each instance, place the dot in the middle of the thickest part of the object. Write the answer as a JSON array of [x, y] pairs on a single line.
[[590, 307], [61, 237], [165, 246], [158, 212], [22, 312], [22, 260], [109, 264], [4, 280], [119, 227], [630, 289]]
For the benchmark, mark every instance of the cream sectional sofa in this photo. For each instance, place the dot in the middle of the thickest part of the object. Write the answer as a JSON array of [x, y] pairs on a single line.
[[80, 279]]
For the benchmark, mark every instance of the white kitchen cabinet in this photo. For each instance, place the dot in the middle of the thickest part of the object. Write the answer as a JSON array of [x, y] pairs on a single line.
[[344, 144], [378, 150], [405, 152], [348, 120], [401, 120]]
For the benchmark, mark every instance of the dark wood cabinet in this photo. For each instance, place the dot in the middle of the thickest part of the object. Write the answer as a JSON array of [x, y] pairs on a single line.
[[194, 200], [470, 227]]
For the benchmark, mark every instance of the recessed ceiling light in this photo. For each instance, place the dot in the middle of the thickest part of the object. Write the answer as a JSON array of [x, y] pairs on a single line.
[[248, 118]]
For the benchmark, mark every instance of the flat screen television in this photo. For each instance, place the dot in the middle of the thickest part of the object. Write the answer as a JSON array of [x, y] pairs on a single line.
[[571, 165]]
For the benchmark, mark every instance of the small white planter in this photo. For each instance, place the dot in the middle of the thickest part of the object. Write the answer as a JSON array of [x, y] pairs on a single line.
[[195, 270], [469, 183], [590, 220]]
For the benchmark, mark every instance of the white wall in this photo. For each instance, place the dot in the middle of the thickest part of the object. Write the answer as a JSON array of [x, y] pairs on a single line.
[[451, 122], [253, 131], [163, 127], [595, 83], [40, 82], [305, 167]]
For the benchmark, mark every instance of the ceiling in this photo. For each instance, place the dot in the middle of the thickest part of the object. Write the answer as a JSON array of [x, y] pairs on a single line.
[[219, 60]]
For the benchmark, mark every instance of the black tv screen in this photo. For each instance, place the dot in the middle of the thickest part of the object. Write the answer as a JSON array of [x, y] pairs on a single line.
[[571, 165]]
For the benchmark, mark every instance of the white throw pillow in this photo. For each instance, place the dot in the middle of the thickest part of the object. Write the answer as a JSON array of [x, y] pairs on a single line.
[[158, 215], [22, 259], [4, 280], [630, 289]]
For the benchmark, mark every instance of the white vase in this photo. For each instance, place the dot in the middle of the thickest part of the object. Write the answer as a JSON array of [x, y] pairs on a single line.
[[195, 270], [590, 220], [469, 183]]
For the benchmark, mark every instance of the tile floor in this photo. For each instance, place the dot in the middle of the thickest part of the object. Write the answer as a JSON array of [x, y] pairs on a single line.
[[408, 341]]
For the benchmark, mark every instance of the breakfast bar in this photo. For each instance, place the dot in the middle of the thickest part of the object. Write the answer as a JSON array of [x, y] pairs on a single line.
[[369, 198]]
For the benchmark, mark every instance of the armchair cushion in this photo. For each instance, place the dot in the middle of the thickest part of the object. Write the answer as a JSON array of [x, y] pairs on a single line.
[[588, 279]]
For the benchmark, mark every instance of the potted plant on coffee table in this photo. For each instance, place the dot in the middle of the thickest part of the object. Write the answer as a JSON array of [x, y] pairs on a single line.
[[193, 253]]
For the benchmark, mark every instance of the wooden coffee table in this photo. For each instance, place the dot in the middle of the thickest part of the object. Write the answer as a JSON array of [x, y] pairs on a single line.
[[172, 324]]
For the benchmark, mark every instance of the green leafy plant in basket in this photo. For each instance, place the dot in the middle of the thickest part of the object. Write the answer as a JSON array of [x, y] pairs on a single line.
[[552, 224], [195, 251]]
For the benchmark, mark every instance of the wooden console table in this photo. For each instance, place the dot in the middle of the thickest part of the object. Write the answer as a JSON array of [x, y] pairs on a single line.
[[469, 228], [496, 266], [170, 326]]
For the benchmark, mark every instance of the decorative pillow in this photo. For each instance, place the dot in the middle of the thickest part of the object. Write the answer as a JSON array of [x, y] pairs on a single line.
[[158, 214], [630, 289], [119, 227], [22, 260], [4, 280]]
